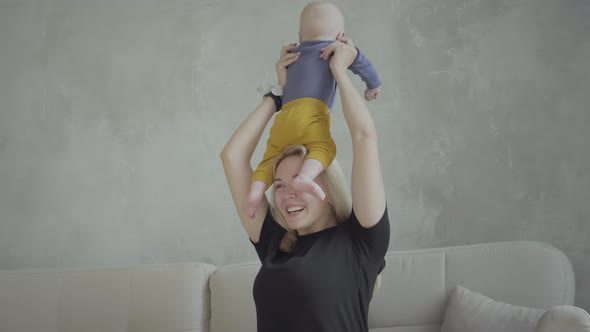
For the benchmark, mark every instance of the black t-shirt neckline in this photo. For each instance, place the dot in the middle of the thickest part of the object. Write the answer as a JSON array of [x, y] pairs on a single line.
[[318, 233]]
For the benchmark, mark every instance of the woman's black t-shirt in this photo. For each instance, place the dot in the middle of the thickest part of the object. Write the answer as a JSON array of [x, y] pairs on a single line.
[[325, 283]]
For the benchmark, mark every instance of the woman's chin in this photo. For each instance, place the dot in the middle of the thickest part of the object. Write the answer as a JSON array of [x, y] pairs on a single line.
[[295, 220]]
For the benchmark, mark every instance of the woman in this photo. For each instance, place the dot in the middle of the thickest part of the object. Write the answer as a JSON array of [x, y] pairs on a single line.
[[320, 264]]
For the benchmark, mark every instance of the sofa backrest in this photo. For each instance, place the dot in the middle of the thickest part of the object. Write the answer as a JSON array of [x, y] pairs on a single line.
[[147, 298], [416, 284], [176, 297]]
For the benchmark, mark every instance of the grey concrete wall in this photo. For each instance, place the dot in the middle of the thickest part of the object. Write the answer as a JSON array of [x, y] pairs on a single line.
[[113, 113]]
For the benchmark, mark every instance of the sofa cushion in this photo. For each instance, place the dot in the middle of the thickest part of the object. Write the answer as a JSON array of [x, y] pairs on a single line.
[[564, 318], [232, 304], [412, 292], [421, 328], [468, 311], [147, 298], [528, 274]]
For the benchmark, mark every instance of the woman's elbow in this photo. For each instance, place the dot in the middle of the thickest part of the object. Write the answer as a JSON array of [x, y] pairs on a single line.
[[232, 156], [368, 134], [223, 154], [226, 153]]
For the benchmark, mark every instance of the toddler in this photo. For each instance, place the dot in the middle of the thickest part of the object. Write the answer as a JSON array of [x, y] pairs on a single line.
[[308, 97]]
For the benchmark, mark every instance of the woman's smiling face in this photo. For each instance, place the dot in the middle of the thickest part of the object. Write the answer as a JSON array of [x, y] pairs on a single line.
[[303, 212]]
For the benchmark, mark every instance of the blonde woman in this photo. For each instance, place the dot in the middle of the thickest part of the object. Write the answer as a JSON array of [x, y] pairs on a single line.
[[320, 258]]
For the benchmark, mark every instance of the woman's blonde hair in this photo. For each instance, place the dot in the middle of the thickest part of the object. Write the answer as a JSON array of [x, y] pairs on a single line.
[[335, 189]]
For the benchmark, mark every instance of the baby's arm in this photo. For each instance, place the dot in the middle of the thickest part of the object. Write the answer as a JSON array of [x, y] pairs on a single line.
[[364, 68]]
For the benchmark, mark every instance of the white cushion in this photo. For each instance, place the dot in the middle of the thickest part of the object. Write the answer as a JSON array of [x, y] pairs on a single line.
[[564, 318], [468, 311]]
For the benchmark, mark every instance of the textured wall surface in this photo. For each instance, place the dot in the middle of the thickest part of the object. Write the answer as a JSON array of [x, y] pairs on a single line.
[[113, 114]]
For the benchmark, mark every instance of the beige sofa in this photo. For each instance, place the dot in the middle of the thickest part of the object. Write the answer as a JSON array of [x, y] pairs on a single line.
[[189, 297]]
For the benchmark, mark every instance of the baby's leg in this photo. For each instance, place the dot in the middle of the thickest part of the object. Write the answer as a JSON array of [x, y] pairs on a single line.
[[304, 181], [250, 204], [261, 178]]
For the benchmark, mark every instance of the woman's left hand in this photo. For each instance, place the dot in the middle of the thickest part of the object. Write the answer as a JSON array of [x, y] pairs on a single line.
[[342, 51]]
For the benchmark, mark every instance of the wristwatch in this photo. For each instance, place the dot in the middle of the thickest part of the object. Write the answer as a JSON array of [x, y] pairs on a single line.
[[276, 90], [276, 93]]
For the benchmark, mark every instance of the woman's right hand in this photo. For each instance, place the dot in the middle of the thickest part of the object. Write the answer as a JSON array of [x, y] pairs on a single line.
[[287, 58]]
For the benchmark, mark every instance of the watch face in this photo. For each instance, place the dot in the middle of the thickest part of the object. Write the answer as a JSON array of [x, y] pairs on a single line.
[[276, 90]]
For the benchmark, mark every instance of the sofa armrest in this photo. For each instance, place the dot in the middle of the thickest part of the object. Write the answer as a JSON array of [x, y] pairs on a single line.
[[564, 318]]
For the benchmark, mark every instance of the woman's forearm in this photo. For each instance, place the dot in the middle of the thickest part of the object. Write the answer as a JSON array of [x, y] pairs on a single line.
[[245, 139], [359, 120]]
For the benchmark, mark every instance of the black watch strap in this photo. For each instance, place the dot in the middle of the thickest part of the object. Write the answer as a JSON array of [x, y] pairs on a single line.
[[277, 99]]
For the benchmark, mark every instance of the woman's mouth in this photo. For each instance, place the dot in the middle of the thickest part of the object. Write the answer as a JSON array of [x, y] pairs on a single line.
[[292, 210]]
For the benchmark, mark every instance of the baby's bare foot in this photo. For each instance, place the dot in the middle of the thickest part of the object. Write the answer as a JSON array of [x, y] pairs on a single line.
[[306, 184]]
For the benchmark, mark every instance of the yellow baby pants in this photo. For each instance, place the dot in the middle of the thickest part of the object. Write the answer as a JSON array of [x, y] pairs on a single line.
[[303, 121]]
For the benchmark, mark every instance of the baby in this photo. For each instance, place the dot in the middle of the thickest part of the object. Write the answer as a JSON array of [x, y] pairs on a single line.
[[308, 97]]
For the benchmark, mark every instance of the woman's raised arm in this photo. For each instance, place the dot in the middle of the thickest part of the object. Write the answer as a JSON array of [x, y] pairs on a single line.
[[368, 192], [238, 151]]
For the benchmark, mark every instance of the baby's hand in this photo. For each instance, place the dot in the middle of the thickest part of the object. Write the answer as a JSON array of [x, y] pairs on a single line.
[[372, 94]]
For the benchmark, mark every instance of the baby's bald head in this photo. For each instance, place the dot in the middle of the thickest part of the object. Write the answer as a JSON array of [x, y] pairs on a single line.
[[320, 20]]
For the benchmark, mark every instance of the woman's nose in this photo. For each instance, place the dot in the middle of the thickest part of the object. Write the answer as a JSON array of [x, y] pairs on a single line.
[[290, 191]]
